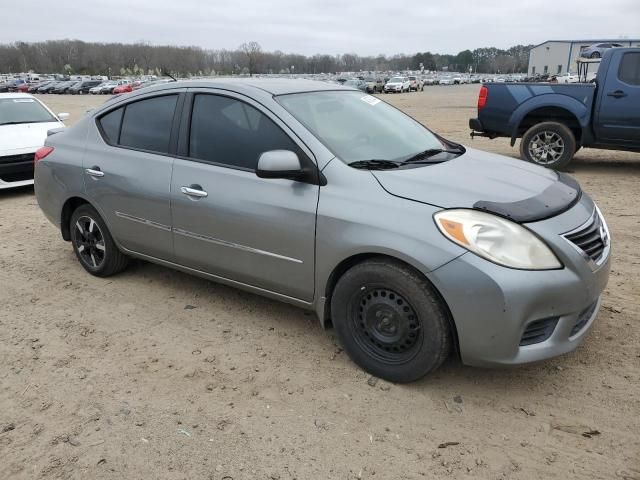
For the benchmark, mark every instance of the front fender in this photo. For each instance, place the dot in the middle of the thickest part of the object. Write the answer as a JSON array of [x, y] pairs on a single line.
[[578, 109]]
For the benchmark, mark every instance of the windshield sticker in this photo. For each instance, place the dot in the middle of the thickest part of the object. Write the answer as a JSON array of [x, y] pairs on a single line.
[[370, 100], [23, 100]]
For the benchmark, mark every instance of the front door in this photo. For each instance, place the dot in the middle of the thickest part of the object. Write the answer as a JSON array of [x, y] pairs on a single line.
[[619, 114], [226, 220], [127, 170]]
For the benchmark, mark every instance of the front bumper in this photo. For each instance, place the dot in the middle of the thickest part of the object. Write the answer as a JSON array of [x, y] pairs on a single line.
[[493, 306], [16, 170]]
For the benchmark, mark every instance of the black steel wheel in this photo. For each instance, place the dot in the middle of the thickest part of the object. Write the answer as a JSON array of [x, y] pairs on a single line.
[[93, 245], [385, 324], [390, 320]]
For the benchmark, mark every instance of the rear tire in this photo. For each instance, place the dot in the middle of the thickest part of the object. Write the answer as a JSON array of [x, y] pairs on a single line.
[[548, 144], [390, 320], [93, 244], [595, 55]]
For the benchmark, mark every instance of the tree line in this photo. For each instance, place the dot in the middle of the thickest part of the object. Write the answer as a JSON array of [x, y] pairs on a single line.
[[91, 58]]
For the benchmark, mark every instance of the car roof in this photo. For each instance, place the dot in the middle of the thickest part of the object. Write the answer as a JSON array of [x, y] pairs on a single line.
[[16, 95], [274, 86]]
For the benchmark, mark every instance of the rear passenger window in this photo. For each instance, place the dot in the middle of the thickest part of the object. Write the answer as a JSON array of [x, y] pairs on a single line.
[[630, 68], [143, 125], [110, 124], [231, 132]]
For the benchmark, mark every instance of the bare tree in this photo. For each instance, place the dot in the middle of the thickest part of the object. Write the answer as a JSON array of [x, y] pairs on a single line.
[[102, 58], [253, 51]]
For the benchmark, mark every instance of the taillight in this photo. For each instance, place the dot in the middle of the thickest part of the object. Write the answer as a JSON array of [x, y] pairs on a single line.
[[41, 153], [482, 97]]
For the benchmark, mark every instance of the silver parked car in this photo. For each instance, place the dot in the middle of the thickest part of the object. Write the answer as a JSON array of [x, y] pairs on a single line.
[[597, 49], [330, 199]]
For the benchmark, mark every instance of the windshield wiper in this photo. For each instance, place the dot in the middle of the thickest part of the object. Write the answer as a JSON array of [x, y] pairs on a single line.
[[13, 123], [420, 156], [23, 122], [375, 164]]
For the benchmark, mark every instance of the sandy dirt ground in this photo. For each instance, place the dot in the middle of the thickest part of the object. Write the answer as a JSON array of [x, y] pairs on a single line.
[[157, 374]]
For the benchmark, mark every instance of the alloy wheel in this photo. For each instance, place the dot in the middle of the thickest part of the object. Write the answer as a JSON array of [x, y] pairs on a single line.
[[89, 241], [546, 147]]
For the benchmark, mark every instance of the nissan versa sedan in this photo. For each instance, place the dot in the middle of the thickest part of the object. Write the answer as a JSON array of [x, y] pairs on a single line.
[[411, 246]]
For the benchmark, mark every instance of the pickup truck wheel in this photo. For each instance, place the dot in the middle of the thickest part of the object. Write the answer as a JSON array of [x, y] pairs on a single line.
[[390, 320], [548, 144]]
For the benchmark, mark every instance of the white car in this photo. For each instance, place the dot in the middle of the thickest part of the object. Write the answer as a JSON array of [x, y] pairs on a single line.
[[24, 122], [446, 80], [397, 85]]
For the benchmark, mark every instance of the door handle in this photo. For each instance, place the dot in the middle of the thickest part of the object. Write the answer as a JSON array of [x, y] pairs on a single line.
[[617, 94], [94, 171], [194, 191]]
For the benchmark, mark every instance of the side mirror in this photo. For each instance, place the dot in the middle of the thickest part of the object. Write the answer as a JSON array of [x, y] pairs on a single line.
[[63, 116], [280, 164]]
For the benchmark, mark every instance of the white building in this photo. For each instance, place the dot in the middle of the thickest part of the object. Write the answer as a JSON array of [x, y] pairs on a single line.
[[558, 57]]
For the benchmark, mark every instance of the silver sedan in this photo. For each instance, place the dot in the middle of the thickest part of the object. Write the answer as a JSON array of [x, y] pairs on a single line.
[[411, 246]]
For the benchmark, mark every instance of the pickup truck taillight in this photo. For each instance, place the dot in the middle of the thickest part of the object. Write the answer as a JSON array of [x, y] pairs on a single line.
[[482, 97], [41, 153]]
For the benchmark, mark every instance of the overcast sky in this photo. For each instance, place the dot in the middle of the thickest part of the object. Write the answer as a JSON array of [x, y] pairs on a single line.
[[322, 26]]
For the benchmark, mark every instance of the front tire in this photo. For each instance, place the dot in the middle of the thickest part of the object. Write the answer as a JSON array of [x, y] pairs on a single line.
[[548, 144], [390, 320], [93, 244], [595, 55]]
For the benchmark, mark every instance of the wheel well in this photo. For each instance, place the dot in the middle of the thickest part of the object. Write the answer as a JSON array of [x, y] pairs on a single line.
[[354, 260], [551, 114], [68, 208]]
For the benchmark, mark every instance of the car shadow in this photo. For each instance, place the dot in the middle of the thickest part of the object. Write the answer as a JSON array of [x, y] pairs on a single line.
[[285, 317], [16, 192]]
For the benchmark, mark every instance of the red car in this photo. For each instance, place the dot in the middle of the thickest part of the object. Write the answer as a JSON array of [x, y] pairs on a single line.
[[22, 88], [126, 88]]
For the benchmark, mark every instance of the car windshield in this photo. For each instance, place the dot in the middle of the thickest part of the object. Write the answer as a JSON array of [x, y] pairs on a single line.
[[357, 127], [397, 80], [23, 110]]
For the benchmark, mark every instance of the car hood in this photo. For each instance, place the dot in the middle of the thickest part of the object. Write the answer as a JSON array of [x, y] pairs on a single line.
[[511, 188], [25, 135]]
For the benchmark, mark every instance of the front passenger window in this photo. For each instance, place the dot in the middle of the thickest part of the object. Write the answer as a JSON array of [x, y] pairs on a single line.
[[230, 132]]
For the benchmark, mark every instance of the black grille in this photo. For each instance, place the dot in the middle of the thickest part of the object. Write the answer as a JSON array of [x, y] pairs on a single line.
[[583, 318], [25, 157], [539, 331], [590, 239], [15, 168]]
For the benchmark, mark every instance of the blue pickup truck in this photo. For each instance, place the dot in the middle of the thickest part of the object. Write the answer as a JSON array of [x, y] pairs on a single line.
[[556, 120]]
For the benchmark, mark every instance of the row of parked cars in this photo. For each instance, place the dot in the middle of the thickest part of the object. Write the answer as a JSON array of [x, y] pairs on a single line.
[[413, 83], [396, 84], [80, 87]]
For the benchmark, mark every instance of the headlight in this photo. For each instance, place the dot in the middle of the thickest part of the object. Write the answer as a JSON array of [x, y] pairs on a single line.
[[496, 239]]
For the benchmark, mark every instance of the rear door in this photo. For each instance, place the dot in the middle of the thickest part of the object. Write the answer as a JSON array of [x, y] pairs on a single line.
[[229, 222], [619, 109], [127, 168]]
